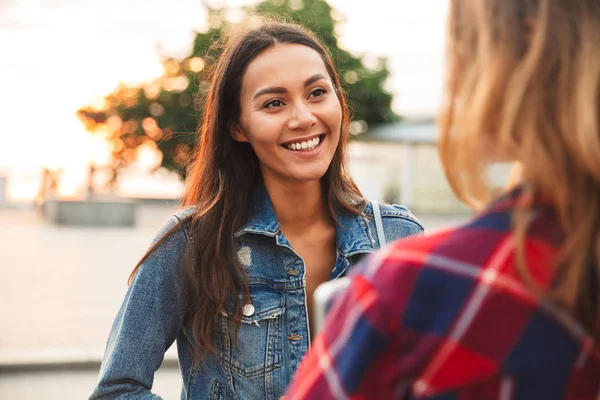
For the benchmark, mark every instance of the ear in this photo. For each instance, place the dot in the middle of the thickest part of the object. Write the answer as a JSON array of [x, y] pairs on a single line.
[[238, 134]]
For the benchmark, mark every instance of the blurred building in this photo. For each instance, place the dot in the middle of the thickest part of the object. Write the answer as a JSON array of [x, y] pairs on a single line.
[[2, 190], [399, 163]]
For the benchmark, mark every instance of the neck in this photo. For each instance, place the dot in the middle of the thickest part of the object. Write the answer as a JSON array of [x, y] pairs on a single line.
[[298, 206]]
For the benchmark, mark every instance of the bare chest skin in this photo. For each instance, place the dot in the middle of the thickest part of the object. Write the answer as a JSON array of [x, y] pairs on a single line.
[[319, 254]]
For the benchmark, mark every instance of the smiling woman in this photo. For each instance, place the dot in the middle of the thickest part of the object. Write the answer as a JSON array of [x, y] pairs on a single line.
[[271, 213]]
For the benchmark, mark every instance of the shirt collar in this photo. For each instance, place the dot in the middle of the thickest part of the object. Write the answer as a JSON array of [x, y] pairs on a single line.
[[353, 234], [261, 216]]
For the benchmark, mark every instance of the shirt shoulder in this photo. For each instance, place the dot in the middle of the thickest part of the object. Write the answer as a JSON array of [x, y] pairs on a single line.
[[398, 221], [429, 262]]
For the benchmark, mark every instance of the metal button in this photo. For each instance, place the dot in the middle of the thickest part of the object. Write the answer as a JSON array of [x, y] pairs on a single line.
[[248, 310], [293, 272]]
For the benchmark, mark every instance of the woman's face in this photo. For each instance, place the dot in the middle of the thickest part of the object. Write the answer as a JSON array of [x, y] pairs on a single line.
[[290, 113]]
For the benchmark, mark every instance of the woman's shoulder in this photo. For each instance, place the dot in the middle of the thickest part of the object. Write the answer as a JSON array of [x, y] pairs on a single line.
[[167, 251], [176, 228], [182, 216], [396, 217]]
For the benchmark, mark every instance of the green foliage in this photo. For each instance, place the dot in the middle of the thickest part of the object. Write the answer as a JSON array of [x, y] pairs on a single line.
[[164, 113]]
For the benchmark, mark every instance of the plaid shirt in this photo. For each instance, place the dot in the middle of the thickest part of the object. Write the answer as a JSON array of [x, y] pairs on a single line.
[[446, 317]]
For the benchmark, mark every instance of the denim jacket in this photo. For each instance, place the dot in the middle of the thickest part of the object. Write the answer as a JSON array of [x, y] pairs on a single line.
[[273, 337]]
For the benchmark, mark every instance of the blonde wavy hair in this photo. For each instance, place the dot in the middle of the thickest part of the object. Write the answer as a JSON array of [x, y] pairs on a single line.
[[523, 84]]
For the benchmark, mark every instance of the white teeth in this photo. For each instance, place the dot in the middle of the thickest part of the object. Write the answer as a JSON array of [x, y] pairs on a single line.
[[308, 145]]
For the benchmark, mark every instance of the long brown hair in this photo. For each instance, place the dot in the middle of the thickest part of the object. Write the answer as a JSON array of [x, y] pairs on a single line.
[[523, 78], [225, 173]]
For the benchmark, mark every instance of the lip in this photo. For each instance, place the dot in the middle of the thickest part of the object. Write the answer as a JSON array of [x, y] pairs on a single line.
[[307, 154]]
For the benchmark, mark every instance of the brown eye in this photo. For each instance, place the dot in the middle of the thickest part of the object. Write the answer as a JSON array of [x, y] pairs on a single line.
[[273, 104], [318, 92]]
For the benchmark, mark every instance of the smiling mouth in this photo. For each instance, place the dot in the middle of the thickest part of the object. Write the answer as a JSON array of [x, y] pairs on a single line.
[[307, 145]]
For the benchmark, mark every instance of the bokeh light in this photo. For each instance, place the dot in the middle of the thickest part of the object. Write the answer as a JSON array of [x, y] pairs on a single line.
[[194, 64]]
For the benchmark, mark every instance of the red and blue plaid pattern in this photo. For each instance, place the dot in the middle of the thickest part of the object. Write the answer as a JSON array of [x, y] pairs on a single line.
[[447, 317]]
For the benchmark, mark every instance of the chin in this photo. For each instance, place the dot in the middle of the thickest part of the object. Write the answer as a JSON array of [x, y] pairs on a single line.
[[309, 176]]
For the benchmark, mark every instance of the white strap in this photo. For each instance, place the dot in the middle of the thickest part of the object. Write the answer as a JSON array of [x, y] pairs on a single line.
[[378, 224]]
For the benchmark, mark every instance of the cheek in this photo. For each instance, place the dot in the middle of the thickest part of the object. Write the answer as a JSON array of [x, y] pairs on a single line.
[[333, 117], [264, 130]]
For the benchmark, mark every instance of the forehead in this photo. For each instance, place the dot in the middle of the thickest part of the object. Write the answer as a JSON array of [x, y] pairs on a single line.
[[283, 64]]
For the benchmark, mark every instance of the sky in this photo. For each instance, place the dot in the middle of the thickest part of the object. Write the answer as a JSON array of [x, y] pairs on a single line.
[[57, 55]]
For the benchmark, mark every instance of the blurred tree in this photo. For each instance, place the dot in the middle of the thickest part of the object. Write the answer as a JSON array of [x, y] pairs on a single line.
[[163, 114]]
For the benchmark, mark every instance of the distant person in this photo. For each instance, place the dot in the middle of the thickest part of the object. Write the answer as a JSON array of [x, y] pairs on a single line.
[[506, 306], [271, 213], [91, 174], [48, 185]]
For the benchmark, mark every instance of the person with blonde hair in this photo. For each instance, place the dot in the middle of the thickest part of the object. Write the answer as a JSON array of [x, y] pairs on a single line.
[[507, 305]]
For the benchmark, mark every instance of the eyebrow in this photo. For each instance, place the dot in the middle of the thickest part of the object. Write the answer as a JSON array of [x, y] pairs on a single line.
[[279, 89]]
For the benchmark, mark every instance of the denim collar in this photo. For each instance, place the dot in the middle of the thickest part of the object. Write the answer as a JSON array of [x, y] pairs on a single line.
[[261, 216], [353, 235]]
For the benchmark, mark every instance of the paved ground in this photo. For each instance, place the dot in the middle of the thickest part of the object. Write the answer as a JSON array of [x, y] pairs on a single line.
[[60, 288]]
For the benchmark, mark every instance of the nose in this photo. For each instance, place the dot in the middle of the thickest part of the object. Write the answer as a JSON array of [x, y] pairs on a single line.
[[301, 118]]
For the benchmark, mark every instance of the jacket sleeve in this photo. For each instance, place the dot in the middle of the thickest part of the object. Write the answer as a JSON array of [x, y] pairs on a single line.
[[148, 322]]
